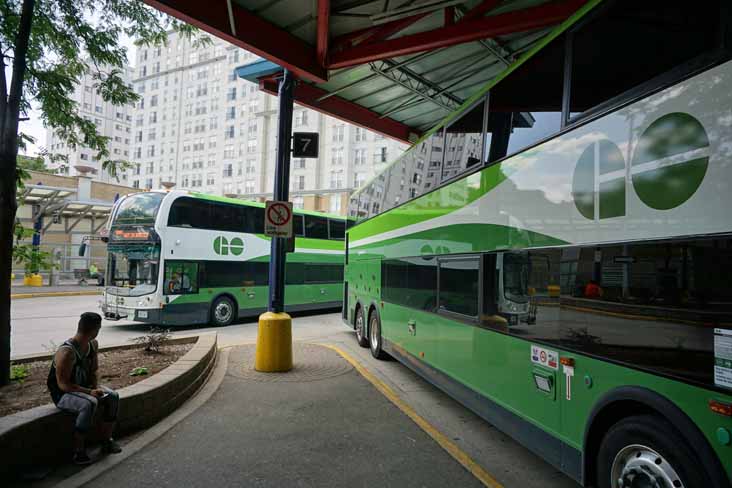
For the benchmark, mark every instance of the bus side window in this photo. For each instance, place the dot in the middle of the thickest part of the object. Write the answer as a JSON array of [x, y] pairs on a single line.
[[298, 226], [337, 229], [181, 278], [254, 220], [316, 227]]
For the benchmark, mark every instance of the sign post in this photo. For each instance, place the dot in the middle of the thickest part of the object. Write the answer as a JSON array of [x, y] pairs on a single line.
[[274, 335]]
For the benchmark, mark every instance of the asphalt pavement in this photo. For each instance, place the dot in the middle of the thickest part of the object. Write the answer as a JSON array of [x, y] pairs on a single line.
[[329, 428], [38, 321]]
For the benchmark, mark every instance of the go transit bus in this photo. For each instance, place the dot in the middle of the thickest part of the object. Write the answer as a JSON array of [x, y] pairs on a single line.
[[178, 258], [557, 254]]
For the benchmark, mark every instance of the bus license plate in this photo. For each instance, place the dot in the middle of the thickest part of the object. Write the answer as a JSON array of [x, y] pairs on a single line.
[[142, 314]]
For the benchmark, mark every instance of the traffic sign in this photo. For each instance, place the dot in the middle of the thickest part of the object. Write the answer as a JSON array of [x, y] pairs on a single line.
[[278, 219], [305, 144]]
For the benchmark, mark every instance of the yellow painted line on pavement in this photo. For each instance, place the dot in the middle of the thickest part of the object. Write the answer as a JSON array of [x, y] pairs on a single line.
[[458, 454], [17, 296]]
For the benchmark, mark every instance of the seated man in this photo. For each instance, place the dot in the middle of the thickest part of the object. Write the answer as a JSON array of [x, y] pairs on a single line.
[[95, 274], [74, 386]]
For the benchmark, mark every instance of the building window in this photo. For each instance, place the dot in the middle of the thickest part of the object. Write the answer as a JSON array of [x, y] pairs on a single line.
[[231, 94], [230, 113], [298, 202], [336, 179], [301, 118], [359, 179], [360, 134], [252, 146], [336, 157], [380, 156], [335, 204], [299, 163], [229, 132], [338, 131], [360, 156], [229, 151], [228, 170]]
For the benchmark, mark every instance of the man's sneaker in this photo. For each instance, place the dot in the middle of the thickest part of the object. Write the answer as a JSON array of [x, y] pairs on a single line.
[[111, 447], [81, 458]]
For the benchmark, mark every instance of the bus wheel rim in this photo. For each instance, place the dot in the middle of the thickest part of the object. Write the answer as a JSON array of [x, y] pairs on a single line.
[[374, 334], [640, 466], [222, 312], [359, 325]]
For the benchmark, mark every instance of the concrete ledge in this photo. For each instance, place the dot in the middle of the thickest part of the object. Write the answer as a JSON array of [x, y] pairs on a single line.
[[42, 435]]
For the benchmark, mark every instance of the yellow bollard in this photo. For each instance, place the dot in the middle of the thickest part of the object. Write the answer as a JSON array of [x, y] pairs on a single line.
[[36, 280], [274, 343]]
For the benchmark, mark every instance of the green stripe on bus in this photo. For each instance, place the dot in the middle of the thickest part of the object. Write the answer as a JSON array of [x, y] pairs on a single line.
[[461, 238]]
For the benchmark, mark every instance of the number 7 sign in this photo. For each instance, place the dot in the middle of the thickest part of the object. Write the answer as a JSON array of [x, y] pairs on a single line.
[[305, 144]]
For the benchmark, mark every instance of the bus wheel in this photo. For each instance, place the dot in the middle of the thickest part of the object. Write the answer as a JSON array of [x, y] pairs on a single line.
[[222, 312], [375, 337], [646, 450], [360, 328]]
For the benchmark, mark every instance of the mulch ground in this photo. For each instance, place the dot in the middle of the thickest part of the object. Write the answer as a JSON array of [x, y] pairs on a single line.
[[114, 372]]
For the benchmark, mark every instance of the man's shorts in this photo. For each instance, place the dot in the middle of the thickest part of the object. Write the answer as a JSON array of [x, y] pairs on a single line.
[[84, 406]]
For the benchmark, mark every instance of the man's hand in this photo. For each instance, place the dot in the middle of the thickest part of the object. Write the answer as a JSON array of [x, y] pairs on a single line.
[[97, 392]]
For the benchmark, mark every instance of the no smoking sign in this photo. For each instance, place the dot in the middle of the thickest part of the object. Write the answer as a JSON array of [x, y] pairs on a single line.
[[278, 219]]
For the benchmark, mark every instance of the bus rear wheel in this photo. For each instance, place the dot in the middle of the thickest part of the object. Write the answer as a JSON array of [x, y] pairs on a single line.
[[361, 329], [646, 450], [222, 312], [375, 341]]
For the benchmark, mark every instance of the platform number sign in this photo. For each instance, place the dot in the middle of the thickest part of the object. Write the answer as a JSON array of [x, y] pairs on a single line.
[[278, 219], [305, 145]]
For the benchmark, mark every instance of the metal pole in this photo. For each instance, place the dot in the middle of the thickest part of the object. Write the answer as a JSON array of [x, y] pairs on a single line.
[[281, 185]]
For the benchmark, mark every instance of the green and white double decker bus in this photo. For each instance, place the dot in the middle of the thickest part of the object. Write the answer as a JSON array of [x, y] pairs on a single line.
[[557, 254], [178, 258]]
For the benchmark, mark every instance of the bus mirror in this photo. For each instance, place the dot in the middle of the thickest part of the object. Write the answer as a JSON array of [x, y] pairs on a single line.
[[82, 249]]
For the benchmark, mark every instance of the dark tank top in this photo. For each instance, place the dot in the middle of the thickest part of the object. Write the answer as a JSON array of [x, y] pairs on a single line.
[[80, 372]]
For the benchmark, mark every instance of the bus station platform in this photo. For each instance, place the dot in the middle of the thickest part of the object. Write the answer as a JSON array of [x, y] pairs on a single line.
[[321, 424]]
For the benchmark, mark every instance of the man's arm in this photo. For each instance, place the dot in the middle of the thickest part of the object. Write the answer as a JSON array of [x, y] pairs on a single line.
[[64, 366], [95, 365]]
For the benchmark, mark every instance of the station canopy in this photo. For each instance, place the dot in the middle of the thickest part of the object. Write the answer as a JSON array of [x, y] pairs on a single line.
[[59, 204], [397, 67]]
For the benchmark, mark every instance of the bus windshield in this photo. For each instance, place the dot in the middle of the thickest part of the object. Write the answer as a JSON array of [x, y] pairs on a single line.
[[515, 277], [138, 209], [133, 269]]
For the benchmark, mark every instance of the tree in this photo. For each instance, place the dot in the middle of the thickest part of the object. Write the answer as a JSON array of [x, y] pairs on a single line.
[[30, 163], [48, 46]]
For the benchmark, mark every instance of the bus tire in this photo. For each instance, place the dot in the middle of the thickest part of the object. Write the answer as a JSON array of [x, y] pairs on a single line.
[[223, 311], [360, 328], [375, 340], [649, 447]]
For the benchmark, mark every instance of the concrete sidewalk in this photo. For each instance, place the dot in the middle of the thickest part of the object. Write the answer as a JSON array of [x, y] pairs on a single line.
[[20, 291], [321, 424]]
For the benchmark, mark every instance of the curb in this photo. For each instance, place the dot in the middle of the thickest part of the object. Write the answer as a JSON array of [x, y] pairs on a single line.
[[194, 403], [19, 296], [46, 430]]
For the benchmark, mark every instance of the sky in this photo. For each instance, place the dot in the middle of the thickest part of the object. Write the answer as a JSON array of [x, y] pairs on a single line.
[[34, 126]]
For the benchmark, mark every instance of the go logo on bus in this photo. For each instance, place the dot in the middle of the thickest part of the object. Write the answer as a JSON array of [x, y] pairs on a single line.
[[668, 166], [222, 246]]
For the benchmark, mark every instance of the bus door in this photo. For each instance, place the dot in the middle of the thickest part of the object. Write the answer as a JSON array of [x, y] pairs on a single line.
[[520, 300]]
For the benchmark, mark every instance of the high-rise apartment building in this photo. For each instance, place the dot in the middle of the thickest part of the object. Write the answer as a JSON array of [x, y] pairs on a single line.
[[112, 121], [199, 126]]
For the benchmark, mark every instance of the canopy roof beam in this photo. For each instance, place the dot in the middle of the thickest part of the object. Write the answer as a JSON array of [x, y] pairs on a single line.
[[309, 95], [260, 36], [461, 32]]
